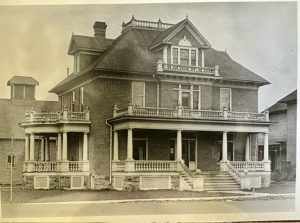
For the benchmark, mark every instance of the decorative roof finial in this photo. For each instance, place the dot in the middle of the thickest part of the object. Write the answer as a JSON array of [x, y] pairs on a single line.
[[187, 16], [159, 20], [123, 24], [132, 18]]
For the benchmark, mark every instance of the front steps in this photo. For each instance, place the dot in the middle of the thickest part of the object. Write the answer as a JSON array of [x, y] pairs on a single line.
[[219, 181]]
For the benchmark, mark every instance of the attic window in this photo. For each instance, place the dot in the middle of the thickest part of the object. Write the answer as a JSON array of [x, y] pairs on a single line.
[[76, 64]]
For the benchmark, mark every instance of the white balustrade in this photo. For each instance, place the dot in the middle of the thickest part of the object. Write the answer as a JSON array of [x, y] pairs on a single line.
[[155, 165], [54, 117], [45, 166], [75, 166], [189, 69], [248, 165], [246, 116]]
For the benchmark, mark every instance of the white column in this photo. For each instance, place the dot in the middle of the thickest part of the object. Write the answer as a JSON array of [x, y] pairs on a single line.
[[85, 147], [58, 152], [65, 147], [224, 147], [26, 147], [165, 54], [129, 145], [247, 148], [42, 149], [178, 146], [47, 158], [266, 147], [31, 153], [116, 146]]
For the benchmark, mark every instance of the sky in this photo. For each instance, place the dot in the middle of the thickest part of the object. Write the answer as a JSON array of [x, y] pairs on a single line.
[[260, 36]]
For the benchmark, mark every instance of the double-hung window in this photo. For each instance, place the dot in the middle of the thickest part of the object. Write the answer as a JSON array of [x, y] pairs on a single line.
[[138, 93], [225, 98], [11, 160], [186, 56], [73, 98]]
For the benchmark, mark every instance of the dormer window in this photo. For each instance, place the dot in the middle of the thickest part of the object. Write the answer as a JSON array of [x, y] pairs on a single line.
[[184, 56]]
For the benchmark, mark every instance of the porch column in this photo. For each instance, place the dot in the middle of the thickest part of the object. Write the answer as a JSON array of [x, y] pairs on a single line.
[[266, 147], [47, 149], [26, 147], [58, 152], [42, 149], [65, 147], [179, 146], [116, 146], [31, 153], [129, 145], [85, 147], [224, 147], [247, 148]]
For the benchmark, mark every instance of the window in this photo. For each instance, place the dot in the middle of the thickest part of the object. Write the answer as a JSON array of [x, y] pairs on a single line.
[[29, 91], [81, 98], [76, 64], [11, 160], [225, 98], [186, 56], [188, 96], [138, 93], [73, 98]]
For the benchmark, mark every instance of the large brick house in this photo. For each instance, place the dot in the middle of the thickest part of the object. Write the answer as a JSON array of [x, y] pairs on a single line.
[[155, 108], [22, 99], [282, 137]]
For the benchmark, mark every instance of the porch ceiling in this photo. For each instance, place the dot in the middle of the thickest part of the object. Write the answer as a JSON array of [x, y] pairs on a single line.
[[190, 125]]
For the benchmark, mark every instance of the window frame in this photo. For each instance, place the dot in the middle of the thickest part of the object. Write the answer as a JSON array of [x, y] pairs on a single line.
[[73, 101], [189, 55], [191, 92], [76, 63], [8, 164], [230, 97], [144, 92], [81, 98]]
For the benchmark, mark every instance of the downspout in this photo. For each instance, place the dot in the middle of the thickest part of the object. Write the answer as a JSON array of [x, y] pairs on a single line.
[[110, 150]]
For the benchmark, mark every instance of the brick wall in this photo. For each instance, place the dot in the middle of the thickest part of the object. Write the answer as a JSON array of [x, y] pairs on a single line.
[[206, 97], [19, 156], [166, 95], [244, 100], [278, 129], [150, 94]]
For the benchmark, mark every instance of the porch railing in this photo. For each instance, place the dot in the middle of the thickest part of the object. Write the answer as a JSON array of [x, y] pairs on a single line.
[[180, 112], [75, 166], [156, 166], [248, 165], [63, 115], [45, 166]]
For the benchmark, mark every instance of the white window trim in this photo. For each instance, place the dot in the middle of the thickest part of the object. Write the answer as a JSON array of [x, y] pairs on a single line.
[[190, 53], [230, 96], [8, 165], [144, 92], [191, 91]]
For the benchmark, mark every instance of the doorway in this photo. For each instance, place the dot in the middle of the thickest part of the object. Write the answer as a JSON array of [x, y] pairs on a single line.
[[140, 150], [189, 153]]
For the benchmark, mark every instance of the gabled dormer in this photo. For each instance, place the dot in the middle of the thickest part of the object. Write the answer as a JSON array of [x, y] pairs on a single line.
[[181, 44], [87, 49]]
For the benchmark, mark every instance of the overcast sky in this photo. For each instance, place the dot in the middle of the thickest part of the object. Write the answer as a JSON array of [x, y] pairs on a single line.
[[261, 36]]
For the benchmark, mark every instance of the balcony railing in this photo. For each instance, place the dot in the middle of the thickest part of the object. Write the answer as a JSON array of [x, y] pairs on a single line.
[[155, 165], [145, 24], [180, 112], [55, 166], [63, 115], [248, 165], [177, 68]]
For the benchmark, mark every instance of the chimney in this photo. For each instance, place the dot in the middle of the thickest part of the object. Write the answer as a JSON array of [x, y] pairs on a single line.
[[99, 30]]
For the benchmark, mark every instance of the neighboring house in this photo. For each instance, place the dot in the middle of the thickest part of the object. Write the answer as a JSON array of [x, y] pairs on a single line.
[[12, 112], [282, 138], [155, 108]]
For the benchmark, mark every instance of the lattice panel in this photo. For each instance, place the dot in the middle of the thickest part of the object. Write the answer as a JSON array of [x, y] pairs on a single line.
[[77, 182], [41, 182], [157, 182], [118, 183]]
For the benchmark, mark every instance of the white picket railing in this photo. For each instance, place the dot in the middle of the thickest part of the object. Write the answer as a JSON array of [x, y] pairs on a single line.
[[188, 69], [75, 166], [155, 165], [246, 116], [248, 165]]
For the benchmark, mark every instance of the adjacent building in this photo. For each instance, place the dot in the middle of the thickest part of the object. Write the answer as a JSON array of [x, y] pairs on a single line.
[[282, 139], [22, 99], [155, 108]]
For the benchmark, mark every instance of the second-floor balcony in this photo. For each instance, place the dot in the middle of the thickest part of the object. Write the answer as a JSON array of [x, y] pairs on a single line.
[[178, 68], [62, 115], [180, 112]]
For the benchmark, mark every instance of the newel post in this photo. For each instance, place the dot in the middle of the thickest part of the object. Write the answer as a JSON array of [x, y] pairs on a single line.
[[267, 117], [65, 113], [179, 110], [31, 115], [225, 112], [115, 110], [217, 70], [130, 108], [87, 113], [159, 66]]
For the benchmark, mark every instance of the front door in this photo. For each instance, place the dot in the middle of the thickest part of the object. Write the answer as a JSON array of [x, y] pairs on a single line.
[[188, 152], [139, 149]]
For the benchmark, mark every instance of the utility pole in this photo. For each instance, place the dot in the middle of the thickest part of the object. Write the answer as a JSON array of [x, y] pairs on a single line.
[[12, 159]]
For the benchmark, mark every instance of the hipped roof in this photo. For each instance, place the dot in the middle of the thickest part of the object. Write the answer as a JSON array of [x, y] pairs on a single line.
[[22, 80]]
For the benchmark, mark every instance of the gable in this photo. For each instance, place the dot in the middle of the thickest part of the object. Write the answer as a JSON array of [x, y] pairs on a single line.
[[186, 35]]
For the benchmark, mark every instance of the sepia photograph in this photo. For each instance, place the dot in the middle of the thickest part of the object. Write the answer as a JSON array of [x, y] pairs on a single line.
[[148, 112]]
